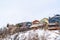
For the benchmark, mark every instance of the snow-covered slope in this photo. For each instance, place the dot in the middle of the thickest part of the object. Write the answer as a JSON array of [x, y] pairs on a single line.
[[38, 34]]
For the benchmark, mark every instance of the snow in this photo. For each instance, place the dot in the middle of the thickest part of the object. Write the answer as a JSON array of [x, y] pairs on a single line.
[[39, 34]]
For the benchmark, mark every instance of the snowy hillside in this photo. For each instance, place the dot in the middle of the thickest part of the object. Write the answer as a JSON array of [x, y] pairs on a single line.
[[35, 35]]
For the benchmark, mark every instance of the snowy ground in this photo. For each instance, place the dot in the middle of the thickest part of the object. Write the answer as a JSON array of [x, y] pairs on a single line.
[[35, 35]]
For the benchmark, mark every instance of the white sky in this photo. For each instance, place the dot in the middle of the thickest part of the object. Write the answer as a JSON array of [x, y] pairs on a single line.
[[16, 11]]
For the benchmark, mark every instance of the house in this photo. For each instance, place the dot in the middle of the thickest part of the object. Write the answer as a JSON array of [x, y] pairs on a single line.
[[54, 19]]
